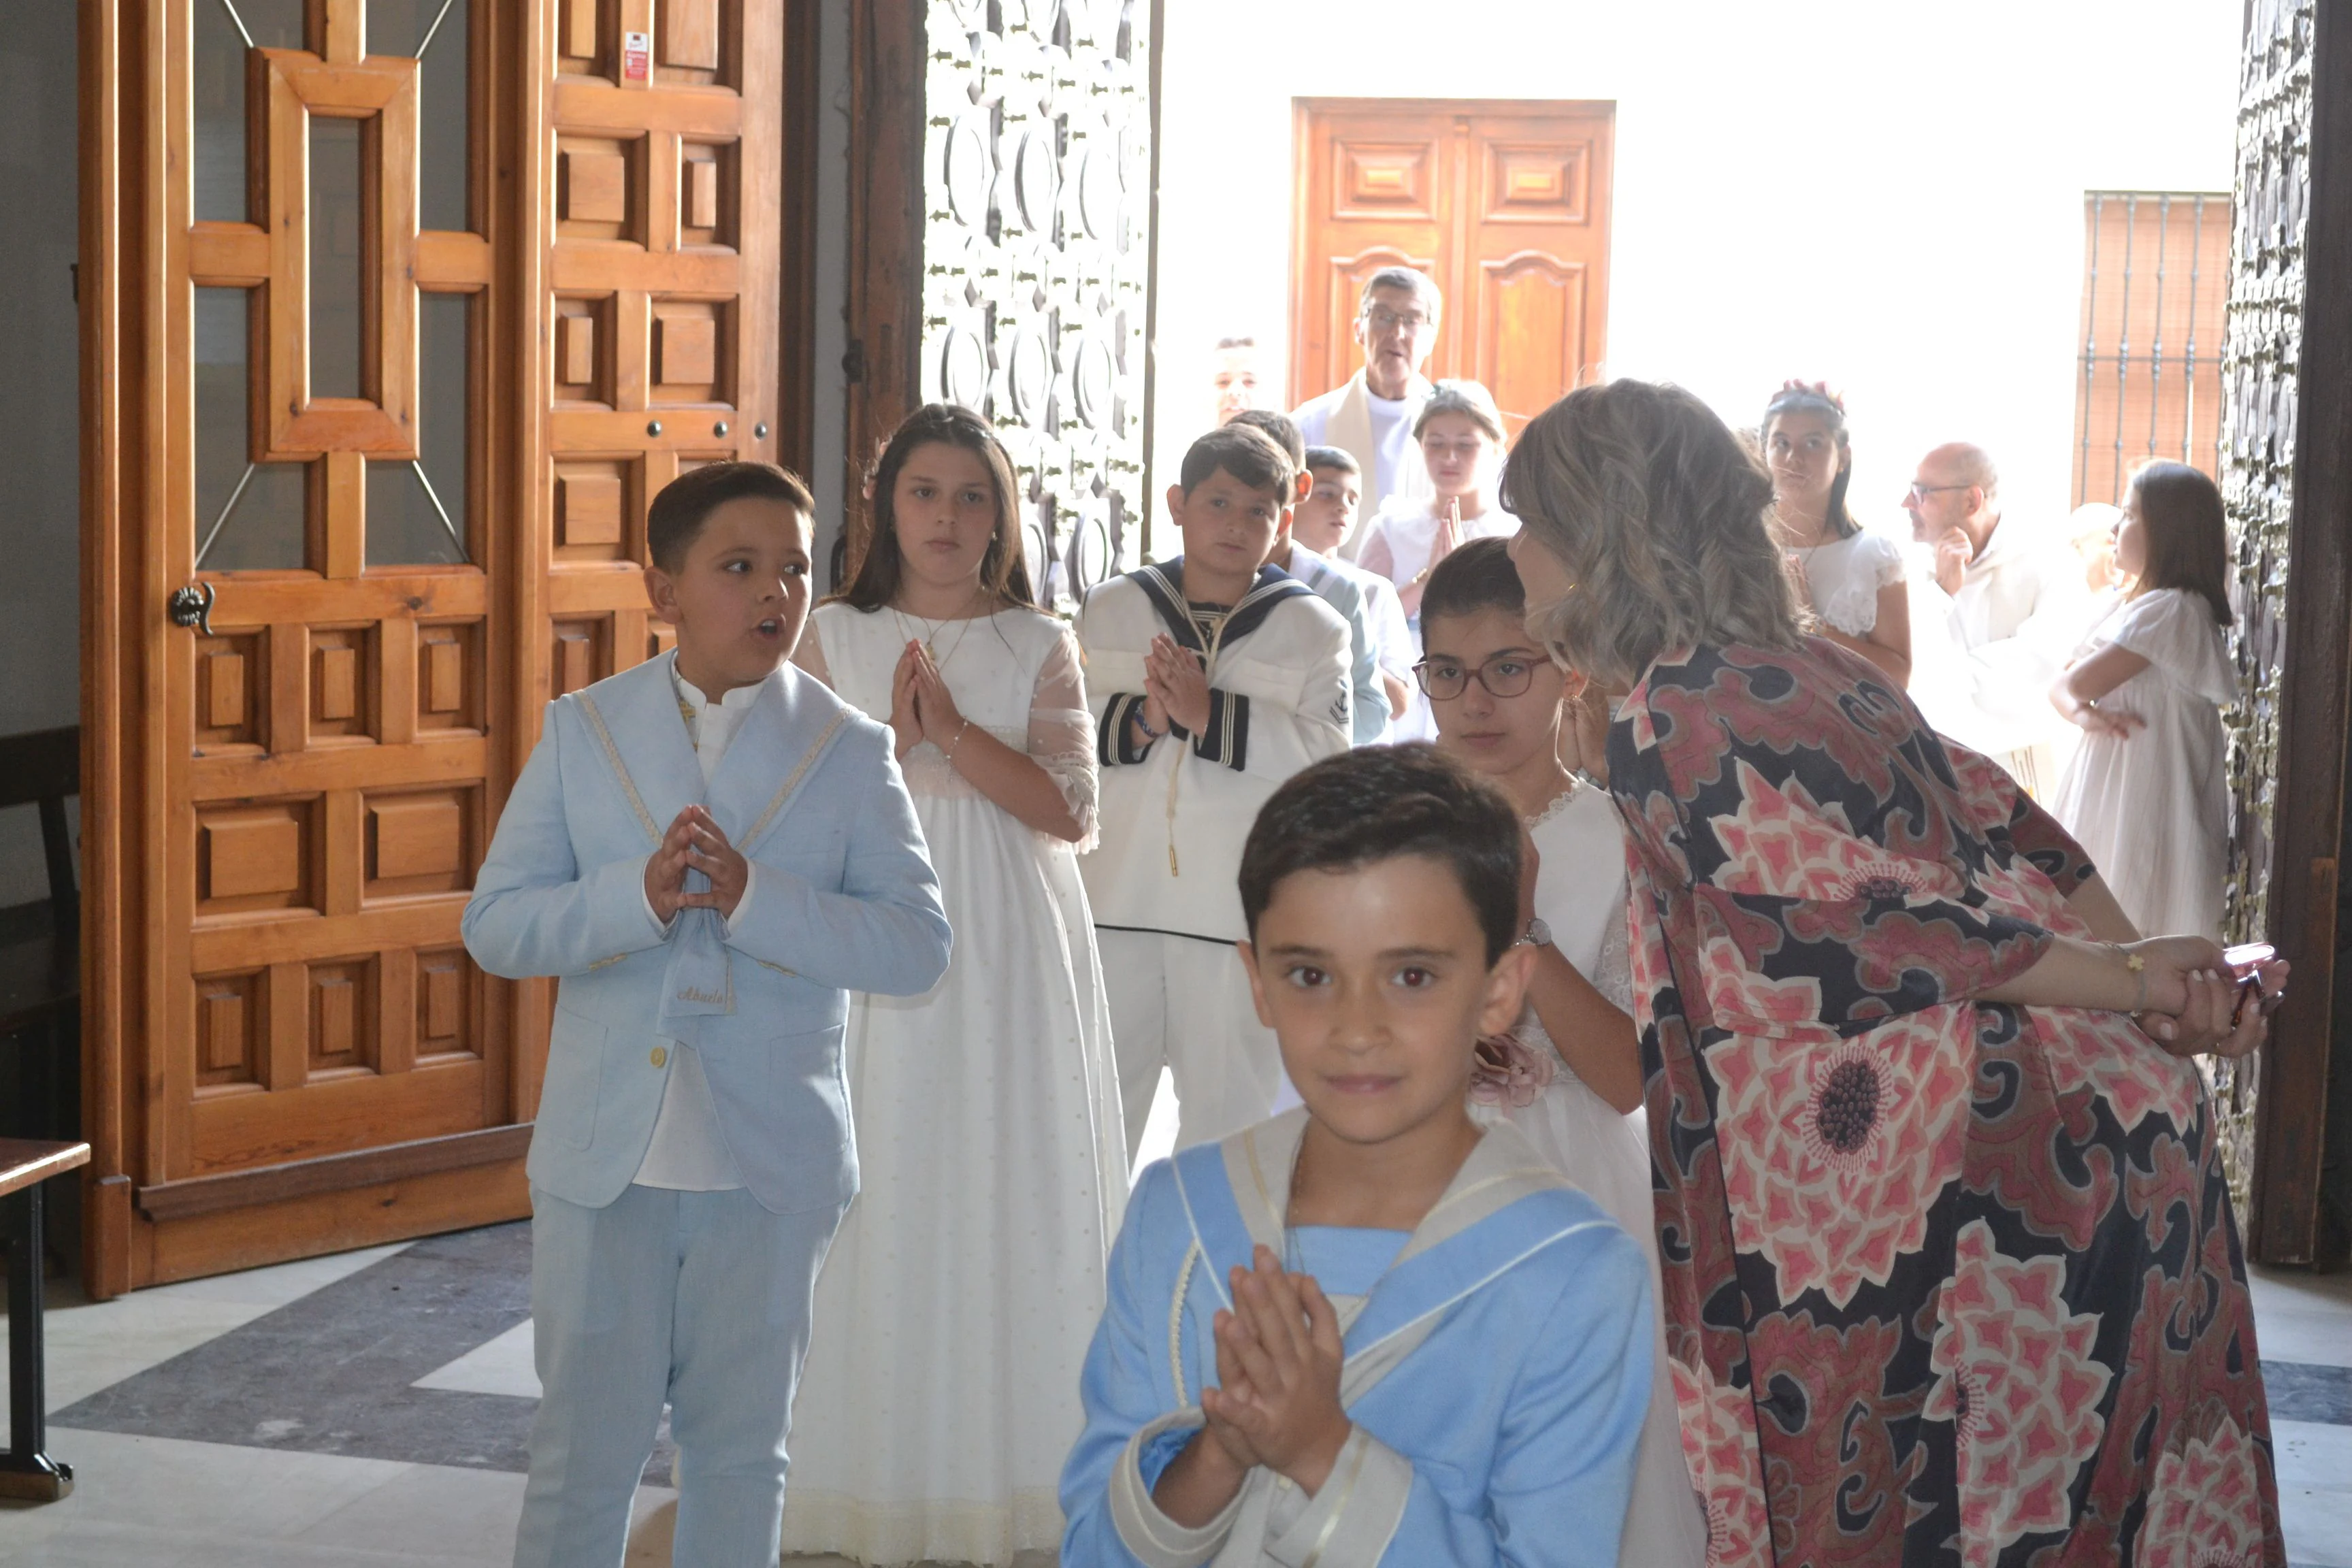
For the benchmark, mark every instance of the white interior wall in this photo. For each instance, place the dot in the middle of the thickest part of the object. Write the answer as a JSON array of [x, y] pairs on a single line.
[[40, 602], [1887, 195]]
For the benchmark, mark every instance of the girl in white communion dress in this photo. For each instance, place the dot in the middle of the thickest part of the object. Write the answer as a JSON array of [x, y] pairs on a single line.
[[1853, 580], [2146, 793], [1569, 1075], [940, 1393]]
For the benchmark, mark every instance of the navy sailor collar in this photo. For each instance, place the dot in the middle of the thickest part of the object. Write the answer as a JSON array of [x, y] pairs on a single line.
[[1163, 585]]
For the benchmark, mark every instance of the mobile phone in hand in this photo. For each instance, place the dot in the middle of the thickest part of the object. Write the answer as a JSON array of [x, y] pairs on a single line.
[[2246, 961]]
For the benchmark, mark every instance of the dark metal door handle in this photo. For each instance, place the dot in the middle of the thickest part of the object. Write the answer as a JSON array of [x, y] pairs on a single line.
[[192, 606]]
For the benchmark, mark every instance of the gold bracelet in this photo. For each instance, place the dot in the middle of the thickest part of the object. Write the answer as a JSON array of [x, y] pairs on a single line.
[[958, 741], [2137, 966]]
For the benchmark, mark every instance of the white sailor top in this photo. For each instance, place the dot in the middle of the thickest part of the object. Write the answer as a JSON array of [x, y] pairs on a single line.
[[1175, 812]]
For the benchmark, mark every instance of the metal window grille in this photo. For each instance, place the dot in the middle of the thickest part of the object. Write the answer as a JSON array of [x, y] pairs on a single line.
[[2156, 278]]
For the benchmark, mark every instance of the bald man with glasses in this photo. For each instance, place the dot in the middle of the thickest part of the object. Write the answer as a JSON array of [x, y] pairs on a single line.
[[1371, 416], [2005, 605]]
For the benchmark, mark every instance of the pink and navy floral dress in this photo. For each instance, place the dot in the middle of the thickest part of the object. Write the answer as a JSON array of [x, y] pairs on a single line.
[[1946, 1281]]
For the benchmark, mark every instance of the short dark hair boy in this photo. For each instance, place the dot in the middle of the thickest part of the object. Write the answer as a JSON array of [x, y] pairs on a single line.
[[1335, 457], [1245, 452], [1504, 1340], [685, 503], [1280, 429], [1383, 802], [1212, 676]]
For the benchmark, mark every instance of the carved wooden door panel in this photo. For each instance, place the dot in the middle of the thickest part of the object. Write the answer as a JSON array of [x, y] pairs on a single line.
[[664, 132], [396, 312], [1506, 205]]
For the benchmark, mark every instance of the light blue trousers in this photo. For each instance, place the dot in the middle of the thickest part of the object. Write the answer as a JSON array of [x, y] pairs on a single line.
[[698, 1299]]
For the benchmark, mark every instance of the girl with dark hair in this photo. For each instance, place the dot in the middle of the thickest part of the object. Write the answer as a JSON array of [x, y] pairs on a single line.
[[1568, 1074], [962, 1287], [2145, 792], [1853, 580]]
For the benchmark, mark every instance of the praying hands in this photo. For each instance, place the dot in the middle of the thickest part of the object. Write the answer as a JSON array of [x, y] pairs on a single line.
[[1276, 1402], [694, 842], [1175, 688]]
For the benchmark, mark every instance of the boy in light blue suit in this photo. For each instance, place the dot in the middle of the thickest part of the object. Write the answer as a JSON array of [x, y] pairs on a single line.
[[710, 851]]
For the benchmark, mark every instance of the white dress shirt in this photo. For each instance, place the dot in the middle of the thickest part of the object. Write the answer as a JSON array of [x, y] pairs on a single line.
[[689, 1154], [1982, 659]]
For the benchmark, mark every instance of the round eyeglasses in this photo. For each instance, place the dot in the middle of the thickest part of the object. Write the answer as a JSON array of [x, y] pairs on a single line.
[[1505, 675]]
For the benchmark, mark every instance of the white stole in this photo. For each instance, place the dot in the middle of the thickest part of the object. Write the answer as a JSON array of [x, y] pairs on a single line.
[[1350, 430]]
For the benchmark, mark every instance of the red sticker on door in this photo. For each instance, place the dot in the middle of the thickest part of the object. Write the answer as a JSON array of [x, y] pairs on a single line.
[[636, 56]]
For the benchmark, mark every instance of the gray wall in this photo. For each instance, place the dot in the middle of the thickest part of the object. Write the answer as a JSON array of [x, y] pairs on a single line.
[[40, 603]]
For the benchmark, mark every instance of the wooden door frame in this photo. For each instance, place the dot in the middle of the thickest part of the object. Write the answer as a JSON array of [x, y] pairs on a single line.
[[1455, 224], [887, 73], [2314, 705]]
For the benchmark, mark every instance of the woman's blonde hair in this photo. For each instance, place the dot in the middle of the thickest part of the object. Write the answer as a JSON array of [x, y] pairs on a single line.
[[1657, 512]]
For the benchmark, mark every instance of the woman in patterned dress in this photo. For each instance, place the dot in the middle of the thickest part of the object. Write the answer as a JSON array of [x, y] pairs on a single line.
[[1950, 1271]]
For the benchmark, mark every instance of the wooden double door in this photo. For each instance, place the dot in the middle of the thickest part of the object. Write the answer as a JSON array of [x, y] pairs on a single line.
[[1506, 204], [396, 313]]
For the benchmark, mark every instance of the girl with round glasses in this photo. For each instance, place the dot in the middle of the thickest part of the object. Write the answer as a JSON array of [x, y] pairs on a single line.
[[1570, 1074]]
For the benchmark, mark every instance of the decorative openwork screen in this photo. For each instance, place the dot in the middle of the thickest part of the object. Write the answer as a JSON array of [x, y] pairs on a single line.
[[1036, 184], [2259, 390]]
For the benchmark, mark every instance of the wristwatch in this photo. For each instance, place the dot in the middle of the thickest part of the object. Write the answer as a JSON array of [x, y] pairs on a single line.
[[1537, 935]]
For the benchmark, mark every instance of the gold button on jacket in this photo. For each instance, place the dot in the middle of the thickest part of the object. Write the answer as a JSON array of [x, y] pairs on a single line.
[[660, 1055]]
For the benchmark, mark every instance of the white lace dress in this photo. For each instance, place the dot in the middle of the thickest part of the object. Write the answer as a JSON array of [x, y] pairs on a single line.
[[1842, 579], [1581, 895], [941, 1395]]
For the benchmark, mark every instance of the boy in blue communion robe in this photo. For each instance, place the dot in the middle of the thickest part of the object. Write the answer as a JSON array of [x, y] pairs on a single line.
[[711, 851], [1367, 1331]]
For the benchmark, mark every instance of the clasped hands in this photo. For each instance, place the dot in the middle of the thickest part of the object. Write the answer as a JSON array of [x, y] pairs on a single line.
[[1175, 688], [694, 842], [2191, 1006], [921, 707], [1276, 1402]]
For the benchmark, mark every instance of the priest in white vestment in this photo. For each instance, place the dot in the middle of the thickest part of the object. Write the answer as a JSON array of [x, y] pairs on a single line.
[[1370, 416], [2001, 608]]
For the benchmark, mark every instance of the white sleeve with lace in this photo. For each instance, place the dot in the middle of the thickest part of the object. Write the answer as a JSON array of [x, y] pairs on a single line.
[[809, 653], [1613, 971], [1062, 733]]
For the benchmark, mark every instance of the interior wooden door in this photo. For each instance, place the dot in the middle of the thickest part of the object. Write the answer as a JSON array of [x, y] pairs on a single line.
[[1505, 203], [398, 312]]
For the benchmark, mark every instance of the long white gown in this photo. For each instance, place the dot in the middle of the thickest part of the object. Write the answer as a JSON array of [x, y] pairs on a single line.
[[2152, 808], [1581, 895], [941, 1395]]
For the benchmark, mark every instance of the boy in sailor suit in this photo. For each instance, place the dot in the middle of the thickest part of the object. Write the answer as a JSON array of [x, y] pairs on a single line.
[[1213, 678], [710, 851], [1367, 1331]]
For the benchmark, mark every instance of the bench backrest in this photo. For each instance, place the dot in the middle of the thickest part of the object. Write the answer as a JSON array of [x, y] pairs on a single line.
[[42, 768]]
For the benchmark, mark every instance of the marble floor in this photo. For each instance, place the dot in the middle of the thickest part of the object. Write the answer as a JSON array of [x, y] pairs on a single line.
[[197, 1443]]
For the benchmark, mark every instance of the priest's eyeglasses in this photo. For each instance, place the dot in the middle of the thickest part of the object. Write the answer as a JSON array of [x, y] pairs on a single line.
[[1505, 675]]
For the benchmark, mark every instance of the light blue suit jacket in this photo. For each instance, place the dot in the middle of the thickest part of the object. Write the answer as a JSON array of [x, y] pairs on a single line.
[[846, 900]]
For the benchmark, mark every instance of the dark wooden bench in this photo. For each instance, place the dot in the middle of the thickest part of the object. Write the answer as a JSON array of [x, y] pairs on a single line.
[[25, 1469], [41, 969], [40, 979]]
